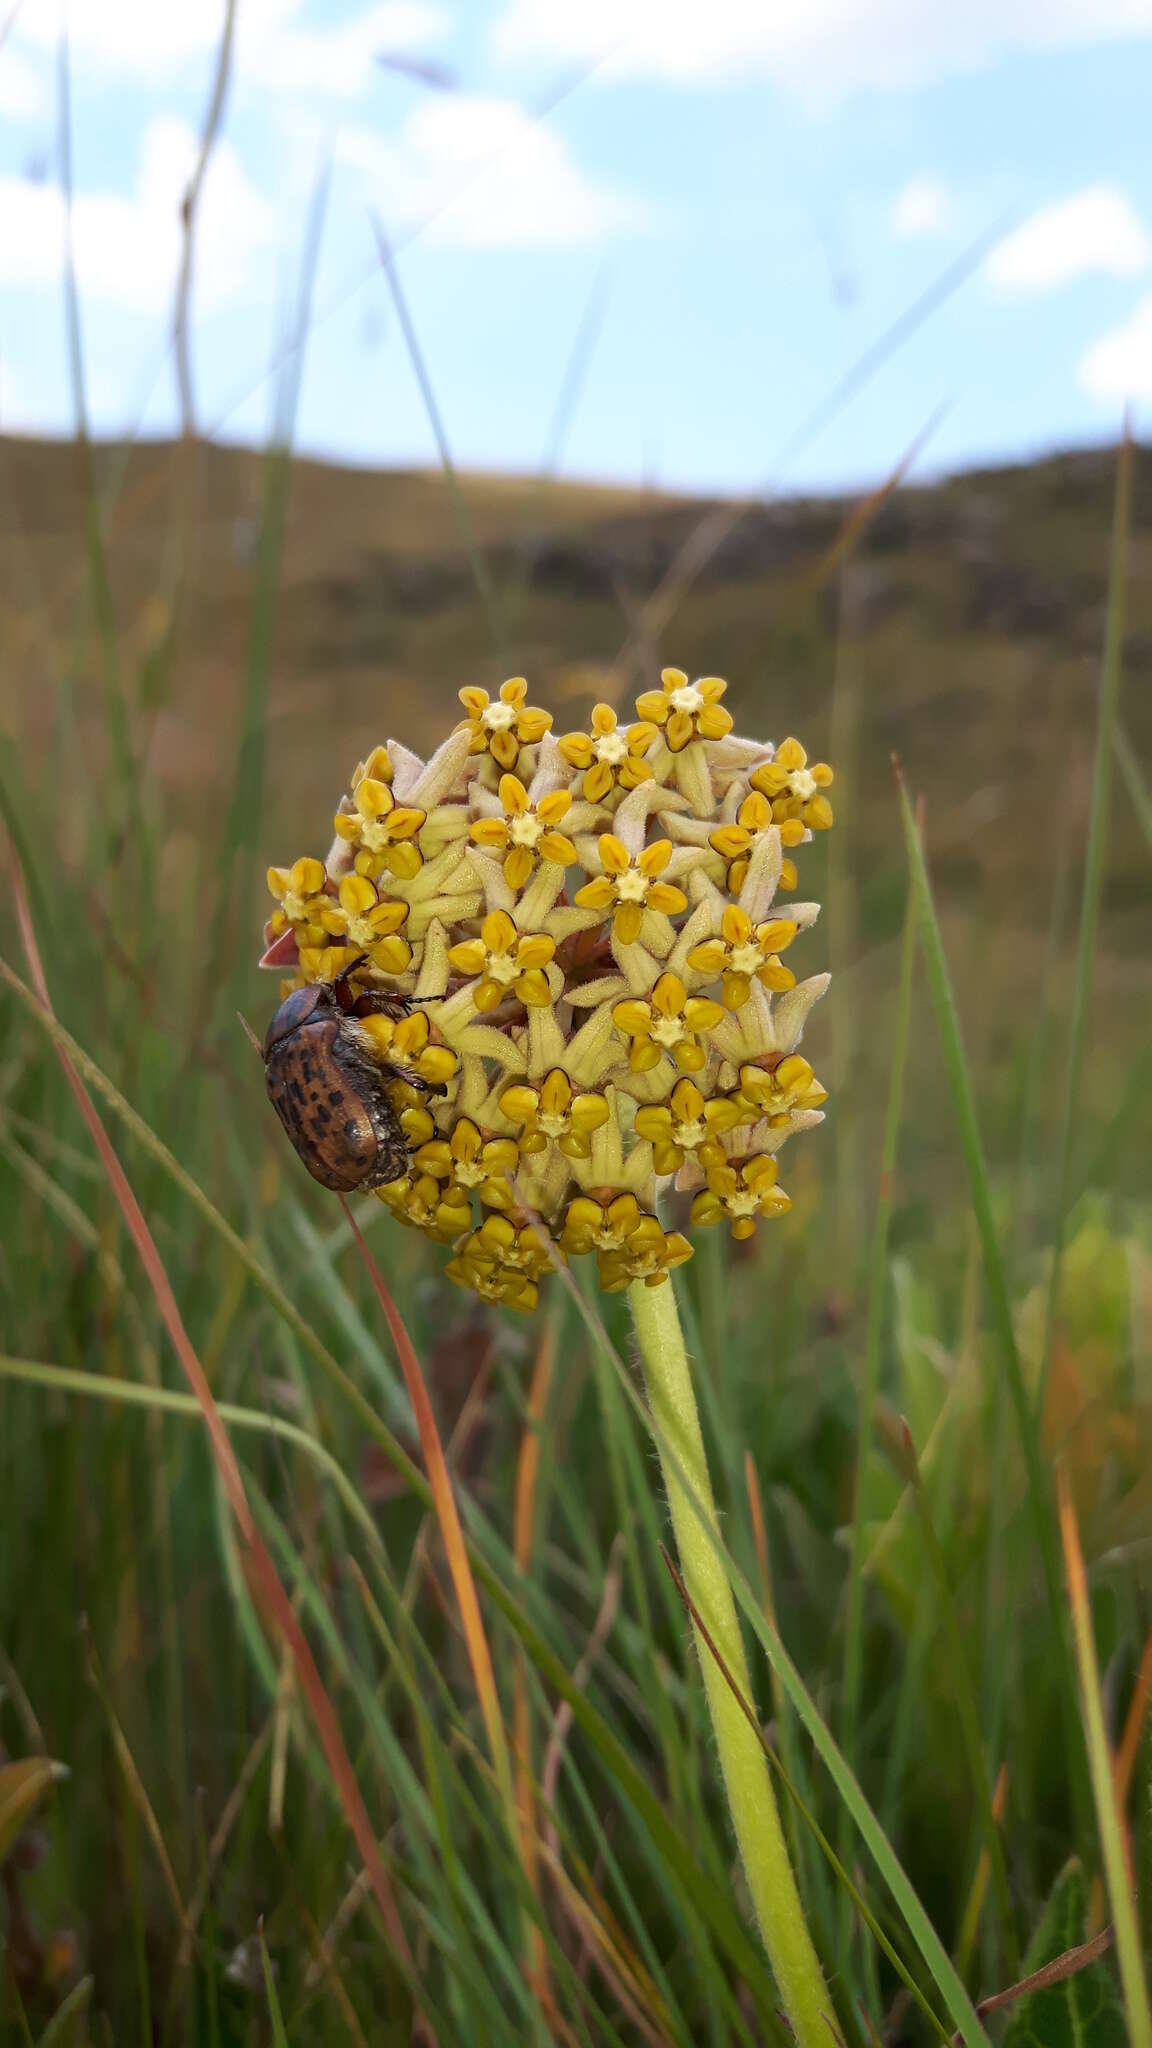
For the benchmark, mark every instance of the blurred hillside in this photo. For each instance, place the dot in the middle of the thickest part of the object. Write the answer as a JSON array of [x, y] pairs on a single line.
[[960, 625]]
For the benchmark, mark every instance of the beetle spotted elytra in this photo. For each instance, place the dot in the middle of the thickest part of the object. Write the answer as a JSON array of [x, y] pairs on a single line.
[[329, 1092]]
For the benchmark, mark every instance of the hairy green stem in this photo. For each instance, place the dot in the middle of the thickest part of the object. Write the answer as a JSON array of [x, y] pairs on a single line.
[[751, 1801]]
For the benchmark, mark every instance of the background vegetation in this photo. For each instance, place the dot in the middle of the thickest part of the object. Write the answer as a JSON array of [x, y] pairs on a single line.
[[197, 645]]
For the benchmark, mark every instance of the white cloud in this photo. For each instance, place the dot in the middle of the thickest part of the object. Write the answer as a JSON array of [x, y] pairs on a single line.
[[21, 88], [1118, 366], [821, 49], [128, 246], [485, 175], [278, 49], [1096, 232], [919, 209]]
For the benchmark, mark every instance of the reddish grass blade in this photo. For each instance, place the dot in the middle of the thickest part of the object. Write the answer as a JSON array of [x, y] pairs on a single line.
[[448, 1517], [264, 1571]]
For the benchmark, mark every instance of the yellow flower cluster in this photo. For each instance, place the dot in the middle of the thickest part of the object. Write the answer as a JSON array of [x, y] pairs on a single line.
[[590, 927]]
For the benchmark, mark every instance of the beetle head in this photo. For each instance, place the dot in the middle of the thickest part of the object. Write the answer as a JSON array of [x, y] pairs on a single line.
[[296, 1009]]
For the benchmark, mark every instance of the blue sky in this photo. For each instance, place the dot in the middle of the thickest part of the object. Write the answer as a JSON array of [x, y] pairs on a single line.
[[731, 201]]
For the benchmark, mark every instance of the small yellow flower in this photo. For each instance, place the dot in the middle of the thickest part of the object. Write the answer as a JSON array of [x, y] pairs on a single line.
[[650, 1254], [370, 923], [592, 1226], [630, 887], [467, 1160], [404, 1042], [629, 1242], [687, 1123], [303, 904], [503, 1262], [521, 1247], [744, 951], [734, 843], [687, 711], [553, 1112], [773, 1094], [503, 1285], [610, 756], [527, 831], [741, 1194], [668, 1021], [382, 831], [503, 726], [794, 789], [419, 1200], [506, 961]]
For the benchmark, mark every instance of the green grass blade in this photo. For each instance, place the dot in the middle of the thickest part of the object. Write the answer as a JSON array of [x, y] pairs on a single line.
[[279, 2036], [866, 1424], [964, 1700], [1133, 775], [980, 1191], [1093, 885], [1108, 1814]]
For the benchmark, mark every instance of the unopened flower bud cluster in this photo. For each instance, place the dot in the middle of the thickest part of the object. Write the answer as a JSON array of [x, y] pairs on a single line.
[[600, 928]]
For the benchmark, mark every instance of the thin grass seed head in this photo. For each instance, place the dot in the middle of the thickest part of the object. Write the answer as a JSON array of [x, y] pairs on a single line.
[[590, 926]]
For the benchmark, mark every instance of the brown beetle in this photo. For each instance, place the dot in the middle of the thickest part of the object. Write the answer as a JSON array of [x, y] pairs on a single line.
[[329, 1091]]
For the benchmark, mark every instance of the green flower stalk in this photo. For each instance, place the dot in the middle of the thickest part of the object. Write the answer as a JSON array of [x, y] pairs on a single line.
[[751, 1801]]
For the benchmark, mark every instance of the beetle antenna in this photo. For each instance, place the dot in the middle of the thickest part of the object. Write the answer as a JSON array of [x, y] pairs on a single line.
[[253, 1041]]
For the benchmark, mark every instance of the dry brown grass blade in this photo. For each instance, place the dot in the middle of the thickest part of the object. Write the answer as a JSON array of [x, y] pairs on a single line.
[[862, 514], [233, 1807], [264, 1571], [626, 1977], [1066, 1965], [709, 534]]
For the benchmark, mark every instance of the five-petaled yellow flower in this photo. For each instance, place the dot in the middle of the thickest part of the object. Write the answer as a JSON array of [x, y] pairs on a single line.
[[554, 1112], [795, 790], [745, 952], [629, 887], [669, 1021], [610, 756], [370, 924], [502, 726], [382, 831], [734, 843], [527, 833], [741, 1193], [686, 711], [687, 1123], [506, 962]]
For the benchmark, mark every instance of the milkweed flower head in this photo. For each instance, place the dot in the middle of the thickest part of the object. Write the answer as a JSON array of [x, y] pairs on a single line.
[[598, 932]]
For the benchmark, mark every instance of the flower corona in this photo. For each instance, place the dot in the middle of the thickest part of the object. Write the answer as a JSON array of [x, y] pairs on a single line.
[[587, 926]]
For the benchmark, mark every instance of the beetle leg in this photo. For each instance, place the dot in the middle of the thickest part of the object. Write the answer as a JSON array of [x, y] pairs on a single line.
[[342, 990], [405, 1074]]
